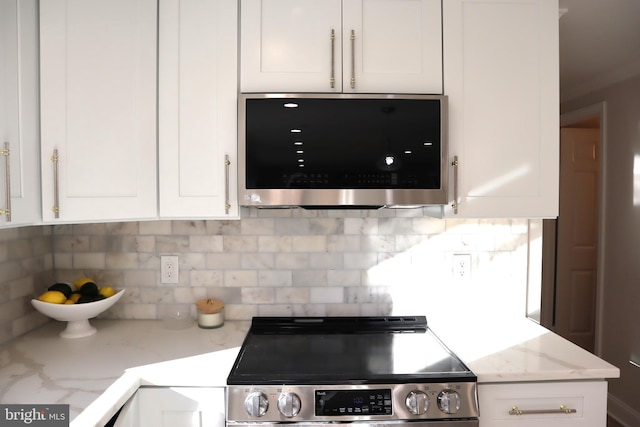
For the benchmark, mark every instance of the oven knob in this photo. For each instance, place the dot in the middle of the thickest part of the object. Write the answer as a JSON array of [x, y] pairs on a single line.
[[449, 401], [256, 404], [417, 402], [289, 404]]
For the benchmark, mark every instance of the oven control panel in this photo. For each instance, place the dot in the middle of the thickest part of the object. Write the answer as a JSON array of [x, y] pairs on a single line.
[[270, 403], [341, 403]]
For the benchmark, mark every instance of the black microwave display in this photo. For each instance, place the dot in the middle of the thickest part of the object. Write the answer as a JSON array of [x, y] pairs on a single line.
[[343, 142], [353, 402]]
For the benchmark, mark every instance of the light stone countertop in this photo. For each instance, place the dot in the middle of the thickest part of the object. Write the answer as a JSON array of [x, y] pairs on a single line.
[[98, 374]]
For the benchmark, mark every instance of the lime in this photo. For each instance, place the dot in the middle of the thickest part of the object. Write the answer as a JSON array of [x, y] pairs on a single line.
[[89, 289], [62, 287]]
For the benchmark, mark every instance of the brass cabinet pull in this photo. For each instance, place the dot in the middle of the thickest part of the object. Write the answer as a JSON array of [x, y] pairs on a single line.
[[227, 164], [455, 204], [7, 182], [353, 59], [332, 79], [561, 410], [56, 192]]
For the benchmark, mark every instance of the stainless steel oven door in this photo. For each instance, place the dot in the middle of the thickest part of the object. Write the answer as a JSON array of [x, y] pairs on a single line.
[[433, 423]]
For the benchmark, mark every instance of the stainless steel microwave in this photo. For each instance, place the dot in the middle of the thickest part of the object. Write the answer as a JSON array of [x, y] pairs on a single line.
[[342, 150]]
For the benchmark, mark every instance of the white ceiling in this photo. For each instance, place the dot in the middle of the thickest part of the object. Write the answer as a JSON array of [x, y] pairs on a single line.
[[599, 44]]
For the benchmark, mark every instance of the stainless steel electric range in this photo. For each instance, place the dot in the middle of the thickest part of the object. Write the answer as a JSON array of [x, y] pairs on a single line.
[[318, 371]]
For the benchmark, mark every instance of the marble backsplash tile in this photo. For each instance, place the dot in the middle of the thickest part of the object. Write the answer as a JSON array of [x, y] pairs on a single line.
[[26, 264], [299, 262], [275, 262]]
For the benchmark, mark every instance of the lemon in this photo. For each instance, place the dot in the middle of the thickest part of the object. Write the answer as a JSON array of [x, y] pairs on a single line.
[[62, 287], [107, 291], [81, 281], [54, 297], [69, 302], [74, 297]]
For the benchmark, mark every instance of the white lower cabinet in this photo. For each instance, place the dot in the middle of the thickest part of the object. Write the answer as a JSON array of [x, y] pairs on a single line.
[[174, 406], [543, 404]]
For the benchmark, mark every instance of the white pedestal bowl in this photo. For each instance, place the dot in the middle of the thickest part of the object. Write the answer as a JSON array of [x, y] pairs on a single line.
[[76, 315]]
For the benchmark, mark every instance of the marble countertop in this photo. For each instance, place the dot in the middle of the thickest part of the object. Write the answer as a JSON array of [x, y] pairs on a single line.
[[98, 374]]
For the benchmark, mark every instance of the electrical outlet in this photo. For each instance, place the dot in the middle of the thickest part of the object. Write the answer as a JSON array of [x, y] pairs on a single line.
[[169, 269], [461, 266]]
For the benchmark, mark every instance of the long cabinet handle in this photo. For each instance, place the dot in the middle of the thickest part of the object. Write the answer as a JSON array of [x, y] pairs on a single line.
[[455, 204], [353, 59], [227, 164], [561, 410], [56, 190], [332, 79], [7, 181]]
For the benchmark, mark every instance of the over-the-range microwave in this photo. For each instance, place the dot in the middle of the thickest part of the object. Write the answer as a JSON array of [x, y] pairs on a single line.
[[342, 150]]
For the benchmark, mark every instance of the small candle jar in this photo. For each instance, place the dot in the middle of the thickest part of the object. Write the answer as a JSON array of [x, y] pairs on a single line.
[[210, 313]]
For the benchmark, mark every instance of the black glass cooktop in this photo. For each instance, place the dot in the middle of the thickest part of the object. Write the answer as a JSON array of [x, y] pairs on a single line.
[[344, 350]]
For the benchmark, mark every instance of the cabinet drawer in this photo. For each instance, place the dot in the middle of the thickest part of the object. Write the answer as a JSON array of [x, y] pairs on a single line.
[[543, 404]]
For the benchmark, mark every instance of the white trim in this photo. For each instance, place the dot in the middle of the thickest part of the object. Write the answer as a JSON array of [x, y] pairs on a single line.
[[567, 119], [616, 75], [621, 412]]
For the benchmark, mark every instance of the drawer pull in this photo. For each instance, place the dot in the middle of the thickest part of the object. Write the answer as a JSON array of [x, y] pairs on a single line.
[[562, 410]]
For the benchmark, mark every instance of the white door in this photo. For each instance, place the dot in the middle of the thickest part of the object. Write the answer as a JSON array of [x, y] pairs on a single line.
[[98, 109], [392, 46], [501, 76], [290, 46], [198, 108], [577, 237], [19, 119]]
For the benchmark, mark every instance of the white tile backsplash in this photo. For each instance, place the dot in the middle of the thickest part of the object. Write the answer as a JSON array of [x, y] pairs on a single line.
[[277, 262]]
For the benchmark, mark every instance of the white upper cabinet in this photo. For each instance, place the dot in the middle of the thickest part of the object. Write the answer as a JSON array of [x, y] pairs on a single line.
[[198, 93], [19, 120], [98, 109], [501, 77], [366, 46]]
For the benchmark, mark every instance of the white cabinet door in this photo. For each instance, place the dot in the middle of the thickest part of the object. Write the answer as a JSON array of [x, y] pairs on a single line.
[[544, 404], [501, 77], [174, 406], [294, 46], [19, 120], [396, 46], [98, 109], [198, 108], [290, 45]]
